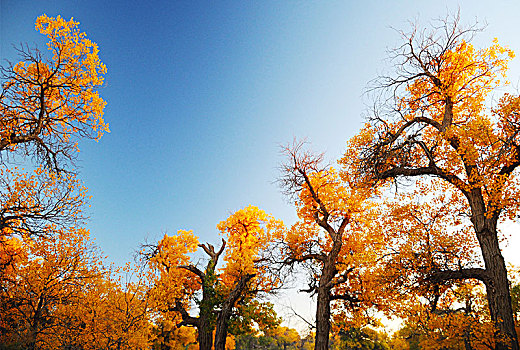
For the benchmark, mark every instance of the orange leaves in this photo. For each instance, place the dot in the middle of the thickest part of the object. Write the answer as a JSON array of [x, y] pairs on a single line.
[[37, 203], [46, 105], [249, 232], [462, 75], [76, 62], [45, 283], [167, 335], [324, 196], [172, 253], [173, 250], [300, 238], [459, 318]]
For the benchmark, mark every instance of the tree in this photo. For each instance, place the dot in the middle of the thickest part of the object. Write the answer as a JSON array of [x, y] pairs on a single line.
[[179, 280], [48, 278], [47, 104], [276, 338], [356, 338], [434, 124], [251, 235], [332, 239], [245, 276]]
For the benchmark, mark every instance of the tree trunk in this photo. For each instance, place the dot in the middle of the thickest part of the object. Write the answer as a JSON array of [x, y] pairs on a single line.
[[497, 290], [205, 337], [322, 319], [321, 342], [498, 294], [227, 307], [221, 331]]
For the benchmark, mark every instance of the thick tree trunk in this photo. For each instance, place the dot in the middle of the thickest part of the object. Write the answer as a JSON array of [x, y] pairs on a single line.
[[205, 336], [322, 320], [497, 289], [321, 342], [498, 294], [227, 307], [221, 331]]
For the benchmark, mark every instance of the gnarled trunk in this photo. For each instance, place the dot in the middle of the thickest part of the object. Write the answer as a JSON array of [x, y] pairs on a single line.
[[321, 342], [497, 287], [498, 294], [227, 307], [205, 335]]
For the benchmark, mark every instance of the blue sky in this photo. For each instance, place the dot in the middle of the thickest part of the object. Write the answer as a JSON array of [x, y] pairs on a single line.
[[200, 95]]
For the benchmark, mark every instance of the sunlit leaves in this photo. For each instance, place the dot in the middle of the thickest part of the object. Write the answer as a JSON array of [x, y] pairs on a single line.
[[47, 104], [249, 232], [172, 253]]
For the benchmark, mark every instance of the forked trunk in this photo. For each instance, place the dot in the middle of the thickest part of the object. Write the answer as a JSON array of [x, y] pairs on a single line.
[[227, 308]]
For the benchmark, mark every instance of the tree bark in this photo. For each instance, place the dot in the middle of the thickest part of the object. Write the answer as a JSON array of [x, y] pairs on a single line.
[[322, 320], [205, 334], [497, 289], [226, 310], [498, 294], [324, 298]]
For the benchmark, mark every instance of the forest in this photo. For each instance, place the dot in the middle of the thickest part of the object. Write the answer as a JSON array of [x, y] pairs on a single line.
[[405, 226]]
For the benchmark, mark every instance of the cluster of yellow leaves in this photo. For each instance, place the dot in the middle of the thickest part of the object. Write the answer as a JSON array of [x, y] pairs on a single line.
[[173, 252], [249, 232], [58, 294], [300, 239], [333, 196], [464, 75], [461, 317], [11, 252], [67, 102], [76, 60], [35, 203]]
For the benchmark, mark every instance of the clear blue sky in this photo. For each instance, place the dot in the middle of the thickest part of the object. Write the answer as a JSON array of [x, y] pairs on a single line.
[[201, 94]]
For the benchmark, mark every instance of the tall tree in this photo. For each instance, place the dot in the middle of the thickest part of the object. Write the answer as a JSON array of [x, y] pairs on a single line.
[[217, 293], [435, 124], [252, 235], [332, 238], [48, 278], [47, 104]]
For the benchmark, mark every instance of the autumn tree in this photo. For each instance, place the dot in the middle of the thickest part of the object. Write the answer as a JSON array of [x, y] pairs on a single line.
[[48, 277], [48, 104], [180, 280], [217, 292], [276, 338], [332, 238], [435, 124], [115, 313]]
